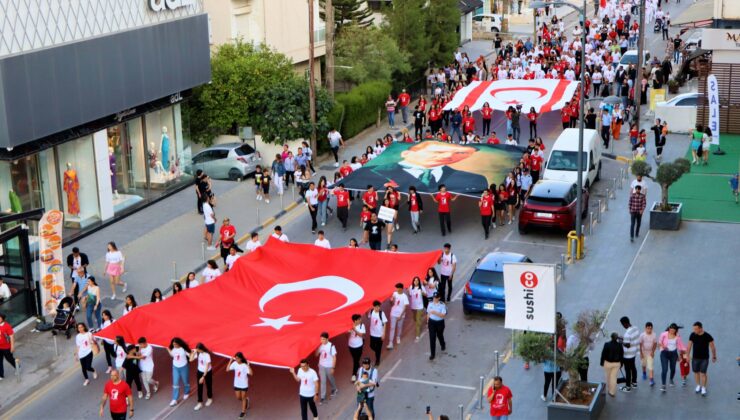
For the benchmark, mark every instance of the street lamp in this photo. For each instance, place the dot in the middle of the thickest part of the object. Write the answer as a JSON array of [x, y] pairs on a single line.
[[582, 103]]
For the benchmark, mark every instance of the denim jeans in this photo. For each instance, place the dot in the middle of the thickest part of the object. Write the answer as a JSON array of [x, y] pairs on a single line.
[[405, 114], [508, 128], [98, 317], [456, 129], [676, 56], [668, 360], [391, 118], [322, 211], [180, 374]]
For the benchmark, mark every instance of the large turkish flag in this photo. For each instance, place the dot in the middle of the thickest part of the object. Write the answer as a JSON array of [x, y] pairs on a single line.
[[275, 302]]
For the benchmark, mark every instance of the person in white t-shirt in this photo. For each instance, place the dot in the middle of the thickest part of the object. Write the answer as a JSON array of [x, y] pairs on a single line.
[[191, 281], [146, 365], [119, 348], [416, 303], [399, 302], [84, 352], [377, 321], [638, 181], [253, 243], [209, 219], [308, 389], [231, 258], [211, 271], [204, 372], [242, 370], [448, 264], [180, 353], [355, 342], [278, 234], [327, 355], [321, 241]]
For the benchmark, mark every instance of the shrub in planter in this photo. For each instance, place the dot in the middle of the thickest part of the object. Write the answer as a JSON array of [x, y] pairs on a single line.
[[673, 86], [666, 175]]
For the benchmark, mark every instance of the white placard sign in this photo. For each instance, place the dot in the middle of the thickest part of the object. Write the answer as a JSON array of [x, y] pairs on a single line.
[[386, 214], [529, 291], [713, 97]]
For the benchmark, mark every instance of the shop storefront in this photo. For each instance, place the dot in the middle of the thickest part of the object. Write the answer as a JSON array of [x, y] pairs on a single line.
[[97, 177]]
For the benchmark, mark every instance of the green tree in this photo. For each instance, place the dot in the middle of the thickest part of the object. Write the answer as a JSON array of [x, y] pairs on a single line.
[[666, 175], [443, 18], [364, 54], [348, 12], [405, 22], [286, 116], [241, 74]]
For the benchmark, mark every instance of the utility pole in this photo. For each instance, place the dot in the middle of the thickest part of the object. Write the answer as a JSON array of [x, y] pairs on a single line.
[[311, 77], [640, 63], [329, 13]]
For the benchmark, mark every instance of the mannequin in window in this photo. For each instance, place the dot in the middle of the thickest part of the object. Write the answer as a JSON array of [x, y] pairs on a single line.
[[165, 149], [71, 187], [112, 164], [152, 156]]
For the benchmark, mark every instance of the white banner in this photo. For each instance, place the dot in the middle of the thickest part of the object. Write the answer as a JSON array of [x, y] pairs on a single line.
[[386, 214], [529, 290], [544, 95], [713, 97]]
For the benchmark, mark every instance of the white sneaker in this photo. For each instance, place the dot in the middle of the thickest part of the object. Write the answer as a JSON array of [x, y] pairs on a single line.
[[113, 296], [542, 397], [703, 391], [173, 403], [416, 340], [95, 375], [107, 371], [141, 395], [156, 387], [390, 347], [698, 389], [185, 396], [209, 402], [354, 378], [148, 396], [398, 227], [211, 248], [125, 287], [398, 340], [86, 383], [336, 164], [267, 201], [198, 406]]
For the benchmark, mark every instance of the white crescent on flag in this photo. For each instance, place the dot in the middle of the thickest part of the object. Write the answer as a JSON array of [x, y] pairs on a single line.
[[544, 95]]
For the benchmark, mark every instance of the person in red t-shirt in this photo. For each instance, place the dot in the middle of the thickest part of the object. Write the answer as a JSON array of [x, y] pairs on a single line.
[[365, 215], [487, 113], [345, 169], [370, 198], [443, 198], [535, 163], [118, 393], [394, 199], [227, 235], [342, 205], [486, 211], [403, 101], [416, 206], [532, 117], [468, 123], [499, 396], [493, 139], [565, 115], [7, 344]]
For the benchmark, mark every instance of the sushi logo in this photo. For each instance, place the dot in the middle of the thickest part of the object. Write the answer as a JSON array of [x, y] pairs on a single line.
[[529, 281]]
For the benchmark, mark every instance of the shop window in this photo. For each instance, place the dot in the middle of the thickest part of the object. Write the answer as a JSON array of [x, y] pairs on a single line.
[[79, 183], [126, 164], [164, 159]]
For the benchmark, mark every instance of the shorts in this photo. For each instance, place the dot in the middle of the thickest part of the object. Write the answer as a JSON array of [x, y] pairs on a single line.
[[236, 388], [695, 145], [266, 188], [699, 365], [210, 228], [512, 200], [647, 362]]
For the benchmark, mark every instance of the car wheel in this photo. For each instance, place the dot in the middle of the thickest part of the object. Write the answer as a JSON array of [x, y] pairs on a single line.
[[522, 230], [598, 173], [235, 174], [467, 311], [494, 29], [588, 184]]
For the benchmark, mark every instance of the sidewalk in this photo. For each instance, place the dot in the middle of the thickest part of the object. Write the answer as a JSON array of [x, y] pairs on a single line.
[[160, 243]]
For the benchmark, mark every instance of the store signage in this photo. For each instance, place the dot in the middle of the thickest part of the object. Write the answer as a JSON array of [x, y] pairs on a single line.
[[720, 39], [386, 214], [162, 5], [713, 94], [529, 291], [125, 113], [177, 97], [51, 269]]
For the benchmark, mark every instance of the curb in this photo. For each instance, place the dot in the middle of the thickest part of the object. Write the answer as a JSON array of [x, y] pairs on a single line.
[[618, 158]]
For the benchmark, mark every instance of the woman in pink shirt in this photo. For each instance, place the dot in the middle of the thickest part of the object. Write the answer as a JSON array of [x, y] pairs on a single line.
[[670, 345]]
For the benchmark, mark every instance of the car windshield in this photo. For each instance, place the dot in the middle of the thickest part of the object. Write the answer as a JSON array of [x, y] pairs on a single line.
[[489, 278], [628, 59], [244, 149], [546, 201], [561, 160]]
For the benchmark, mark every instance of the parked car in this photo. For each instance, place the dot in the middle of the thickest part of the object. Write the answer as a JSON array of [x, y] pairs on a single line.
[[227, 161], [496, 21], [484, 292], [551, 204], [630, 57], [679, 111]]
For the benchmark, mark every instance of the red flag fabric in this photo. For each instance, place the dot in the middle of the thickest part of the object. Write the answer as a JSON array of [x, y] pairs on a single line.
[[275, 302]]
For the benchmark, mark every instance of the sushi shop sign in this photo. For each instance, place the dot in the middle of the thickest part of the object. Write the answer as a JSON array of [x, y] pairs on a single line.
[[51, 269], [529, 290]]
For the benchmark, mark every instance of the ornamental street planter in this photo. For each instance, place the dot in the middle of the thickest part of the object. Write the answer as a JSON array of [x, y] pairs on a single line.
[[587, 407], [666, 220]]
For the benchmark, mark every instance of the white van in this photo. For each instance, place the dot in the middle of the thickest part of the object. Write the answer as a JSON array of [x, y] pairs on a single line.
[[562, 163]]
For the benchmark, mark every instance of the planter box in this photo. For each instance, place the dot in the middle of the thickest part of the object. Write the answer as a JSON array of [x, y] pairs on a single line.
[[562, 411], [666, 220]]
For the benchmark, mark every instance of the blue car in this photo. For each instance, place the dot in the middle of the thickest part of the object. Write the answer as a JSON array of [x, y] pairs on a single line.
[[484, 292]]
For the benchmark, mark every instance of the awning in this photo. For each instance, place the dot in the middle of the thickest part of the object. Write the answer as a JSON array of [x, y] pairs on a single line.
[[699, 14]]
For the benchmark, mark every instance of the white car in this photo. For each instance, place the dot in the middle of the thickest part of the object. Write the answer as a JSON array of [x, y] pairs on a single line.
[[679, 112], [496, 21], [630, 57]]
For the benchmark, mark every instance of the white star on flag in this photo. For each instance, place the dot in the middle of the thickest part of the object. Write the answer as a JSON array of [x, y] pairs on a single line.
[[277, 323]]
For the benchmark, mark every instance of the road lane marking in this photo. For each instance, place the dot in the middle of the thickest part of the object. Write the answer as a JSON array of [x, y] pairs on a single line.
[[440, 384], [508, 235], [624, 280], [390, 372]]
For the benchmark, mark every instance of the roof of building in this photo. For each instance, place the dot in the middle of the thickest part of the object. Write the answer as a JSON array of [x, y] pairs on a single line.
[[469, 6]]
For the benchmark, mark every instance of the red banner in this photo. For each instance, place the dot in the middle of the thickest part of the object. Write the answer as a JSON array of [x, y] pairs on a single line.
[[275, 302]]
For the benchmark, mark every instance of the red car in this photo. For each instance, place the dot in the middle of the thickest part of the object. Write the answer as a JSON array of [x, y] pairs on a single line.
[[551, 204]]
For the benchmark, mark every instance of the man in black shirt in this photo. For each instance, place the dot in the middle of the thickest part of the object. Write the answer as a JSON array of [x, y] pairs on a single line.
[[374, 232], [611, 358], [419, 121], [701, 342], [677, 49]]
